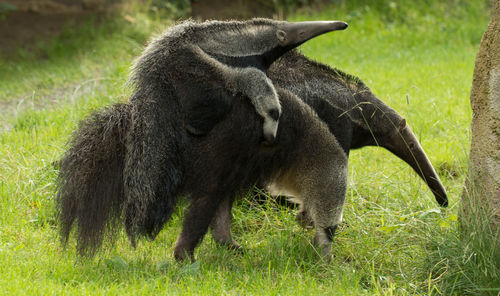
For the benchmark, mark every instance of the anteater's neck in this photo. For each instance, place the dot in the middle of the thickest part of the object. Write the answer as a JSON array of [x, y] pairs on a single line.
[[372, 120], [353, 113]]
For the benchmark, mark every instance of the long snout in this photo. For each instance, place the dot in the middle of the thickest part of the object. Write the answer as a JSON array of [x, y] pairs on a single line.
[[299, 32], [406, 146]]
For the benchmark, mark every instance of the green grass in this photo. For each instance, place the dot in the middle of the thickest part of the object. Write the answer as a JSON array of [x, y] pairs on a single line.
[[416, 56]]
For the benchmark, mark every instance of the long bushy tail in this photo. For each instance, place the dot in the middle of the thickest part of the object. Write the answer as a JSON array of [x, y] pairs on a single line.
[[154, 165], [90, 183]]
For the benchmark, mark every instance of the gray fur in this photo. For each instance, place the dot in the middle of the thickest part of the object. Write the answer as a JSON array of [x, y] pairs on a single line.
[[227, 161], [90, 183], [185, 83], [306, 159], [232, 54]]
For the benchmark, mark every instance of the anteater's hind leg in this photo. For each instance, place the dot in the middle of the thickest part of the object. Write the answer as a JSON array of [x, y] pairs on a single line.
[[221, 225], [304, 219], [200, 213]]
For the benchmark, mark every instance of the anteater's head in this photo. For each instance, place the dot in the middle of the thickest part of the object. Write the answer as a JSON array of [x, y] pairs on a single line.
[[258, 42]]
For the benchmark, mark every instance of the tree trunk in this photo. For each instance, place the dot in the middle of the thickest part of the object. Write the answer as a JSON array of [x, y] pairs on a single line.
[[482, 187]]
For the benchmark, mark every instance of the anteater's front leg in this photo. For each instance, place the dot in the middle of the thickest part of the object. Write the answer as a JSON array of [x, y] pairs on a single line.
[[325, 204], [324, 196]]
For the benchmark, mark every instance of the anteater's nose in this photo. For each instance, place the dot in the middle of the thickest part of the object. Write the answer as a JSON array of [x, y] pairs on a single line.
[[269, 139]]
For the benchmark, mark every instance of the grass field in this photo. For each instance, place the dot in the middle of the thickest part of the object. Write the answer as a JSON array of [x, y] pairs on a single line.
[[417, 57]]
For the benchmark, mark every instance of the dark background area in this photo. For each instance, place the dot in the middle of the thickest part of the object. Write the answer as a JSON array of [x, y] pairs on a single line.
[[24, 22]]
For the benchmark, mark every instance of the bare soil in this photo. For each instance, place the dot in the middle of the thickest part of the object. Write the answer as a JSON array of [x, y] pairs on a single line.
[[34, 20], [232, 9]]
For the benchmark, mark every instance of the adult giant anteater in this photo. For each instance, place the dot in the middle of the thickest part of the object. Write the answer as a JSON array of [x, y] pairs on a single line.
[[185, 83]]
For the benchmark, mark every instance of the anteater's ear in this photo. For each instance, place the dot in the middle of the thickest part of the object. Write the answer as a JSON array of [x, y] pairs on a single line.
[[402, 124], [281, 35]]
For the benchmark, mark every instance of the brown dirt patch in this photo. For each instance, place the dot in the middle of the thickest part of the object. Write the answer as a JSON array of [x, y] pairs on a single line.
[[34, 20], [232, 9]]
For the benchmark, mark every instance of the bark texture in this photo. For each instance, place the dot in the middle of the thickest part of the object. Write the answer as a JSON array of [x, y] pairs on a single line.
[[482, 187]]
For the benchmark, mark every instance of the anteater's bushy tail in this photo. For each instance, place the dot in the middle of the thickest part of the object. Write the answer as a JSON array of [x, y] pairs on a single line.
[[91, 187]]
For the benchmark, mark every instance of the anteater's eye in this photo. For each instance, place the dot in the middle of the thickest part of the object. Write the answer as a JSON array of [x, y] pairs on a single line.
[[274, 114], [281, 35]]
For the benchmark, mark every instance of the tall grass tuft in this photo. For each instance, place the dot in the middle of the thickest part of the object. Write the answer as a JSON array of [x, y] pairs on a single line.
[[467, 259]]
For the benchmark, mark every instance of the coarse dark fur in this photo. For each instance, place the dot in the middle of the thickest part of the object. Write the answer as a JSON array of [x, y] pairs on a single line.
[[354, 115], [151, 134], [185, 82], [229, 160], [90, 182], [91, 168]]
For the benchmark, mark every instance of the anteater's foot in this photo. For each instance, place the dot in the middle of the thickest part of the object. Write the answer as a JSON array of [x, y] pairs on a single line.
[[304, 220]]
